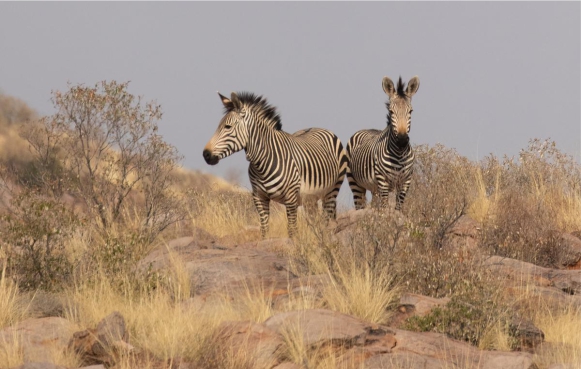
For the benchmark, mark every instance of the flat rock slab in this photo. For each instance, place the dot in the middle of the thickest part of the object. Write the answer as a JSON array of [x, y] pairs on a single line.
[[436, 351], [213, 268], [322, 327], [255, 340], [568, 281], [39, 338]]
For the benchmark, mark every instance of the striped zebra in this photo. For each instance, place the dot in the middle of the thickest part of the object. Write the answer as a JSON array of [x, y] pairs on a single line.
[[381, 161], [291, 169]]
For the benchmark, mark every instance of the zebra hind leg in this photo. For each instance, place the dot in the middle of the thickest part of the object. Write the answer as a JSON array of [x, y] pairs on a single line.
[[358, 192], [263, 207]]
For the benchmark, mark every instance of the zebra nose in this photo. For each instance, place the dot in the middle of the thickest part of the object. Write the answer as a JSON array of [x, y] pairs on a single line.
[[209, 158], [402, 139]]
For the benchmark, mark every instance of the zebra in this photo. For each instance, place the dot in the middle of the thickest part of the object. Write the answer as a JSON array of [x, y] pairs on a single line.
[[291, 169], [381, 161]]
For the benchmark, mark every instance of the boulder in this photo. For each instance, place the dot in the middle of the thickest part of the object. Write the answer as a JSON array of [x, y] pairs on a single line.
[[40, 365], [527, 334], [100, 345], [254, 340], [412, 304], [568, 281], [570, 257], [41, 338], [218, 269], [320, 327], [436, 351]]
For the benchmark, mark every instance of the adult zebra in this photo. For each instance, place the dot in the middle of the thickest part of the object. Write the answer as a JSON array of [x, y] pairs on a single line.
[[381, 161], [307, 165]]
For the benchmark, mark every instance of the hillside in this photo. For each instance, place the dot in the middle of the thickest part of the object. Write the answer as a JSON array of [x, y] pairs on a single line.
[[161, 267]]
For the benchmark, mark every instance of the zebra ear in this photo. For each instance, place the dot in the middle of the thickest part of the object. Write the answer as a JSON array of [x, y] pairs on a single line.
[[235, 100], [226, 101], [413, 86], [388, 87]]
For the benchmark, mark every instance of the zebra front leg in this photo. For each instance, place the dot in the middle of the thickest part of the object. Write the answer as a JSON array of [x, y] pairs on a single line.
[[291, 216], [383, 191], [263, 207], [401, 194]]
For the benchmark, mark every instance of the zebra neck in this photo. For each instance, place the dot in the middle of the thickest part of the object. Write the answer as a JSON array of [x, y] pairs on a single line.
[[261, 149]]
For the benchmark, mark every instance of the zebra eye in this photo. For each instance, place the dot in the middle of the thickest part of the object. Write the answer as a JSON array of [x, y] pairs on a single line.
[[227, 126]]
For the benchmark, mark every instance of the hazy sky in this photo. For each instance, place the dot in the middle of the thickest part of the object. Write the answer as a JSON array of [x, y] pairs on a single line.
[[492, 74]]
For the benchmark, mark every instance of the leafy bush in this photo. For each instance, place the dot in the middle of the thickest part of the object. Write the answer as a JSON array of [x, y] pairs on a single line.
[[34, 237]]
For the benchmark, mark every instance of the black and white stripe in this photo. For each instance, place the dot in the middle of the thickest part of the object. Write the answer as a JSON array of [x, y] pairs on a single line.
[[382, 161], [287, 168]]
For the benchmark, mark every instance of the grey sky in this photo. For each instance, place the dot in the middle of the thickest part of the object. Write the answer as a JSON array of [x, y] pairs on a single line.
[[492, 74]]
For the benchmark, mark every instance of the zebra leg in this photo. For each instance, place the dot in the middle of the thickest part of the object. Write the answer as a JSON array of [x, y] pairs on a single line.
[[263, 207], [401, 194], [358, 192], [383, 191], [291, 216]]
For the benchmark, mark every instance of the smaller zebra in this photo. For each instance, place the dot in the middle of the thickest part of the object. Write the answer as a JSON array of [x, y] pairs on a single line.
[[381, 161]]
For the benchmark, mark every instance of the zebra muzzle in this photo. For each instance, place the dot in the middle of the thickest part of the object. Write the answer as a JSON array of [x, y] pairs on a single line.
[[209, 158], [402, 139]]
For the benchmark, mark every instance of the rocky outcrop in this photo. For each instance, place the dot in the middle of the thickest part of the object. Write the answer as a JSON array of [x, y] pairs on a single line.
[[40, 339], [568, 281], [436, 351], [102, 344], [251, 340], [216, 268]]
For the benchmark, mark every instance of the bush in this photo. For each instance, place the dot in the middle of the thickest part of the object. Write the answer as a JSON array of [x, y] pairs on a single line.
[[34, 238], [99, 154]]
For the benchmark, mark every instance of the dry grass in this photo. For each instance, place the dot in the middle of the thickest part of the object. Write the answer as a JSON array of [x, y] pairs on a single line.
[[518, 203], [563, 334]]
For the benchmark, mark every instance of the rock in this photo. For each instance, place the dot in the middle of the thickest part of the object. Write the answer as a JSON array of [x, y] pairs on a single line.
[[40, 365], [254, 340], [528, 335], [275, 245], [550, 296], [215, 269], [40, 338], [422, 304], [564, 366], [288, 366], [412, 304], [436, 351], [319, 327], [300, 292], [570, 257], [568, 281], [99, 345]]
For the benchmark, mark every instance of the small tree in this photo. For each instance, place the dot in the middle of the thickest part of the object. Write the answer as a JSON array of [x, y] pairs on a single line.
[[102, 147]]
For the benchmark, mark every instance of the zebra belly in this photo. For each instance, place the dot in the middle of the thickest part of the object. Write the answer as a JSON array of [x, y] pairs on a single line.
[[307, 190]]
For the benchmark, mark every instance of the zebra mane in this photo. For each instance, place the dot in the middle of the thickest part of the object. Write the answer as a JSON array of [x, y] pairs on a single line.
[[266, 111], [400, 90]]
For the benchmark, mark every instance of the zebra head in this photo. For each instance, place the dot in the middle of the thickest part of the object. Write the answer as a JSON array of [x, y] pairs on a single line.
[[400, 107], [231, 134]]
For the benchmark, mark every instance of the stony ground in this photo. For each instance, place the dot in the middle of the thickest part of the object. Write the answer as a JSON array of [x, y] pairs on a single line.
[[217, 265]]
